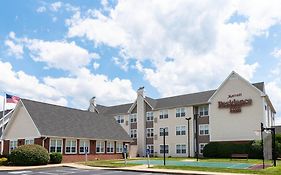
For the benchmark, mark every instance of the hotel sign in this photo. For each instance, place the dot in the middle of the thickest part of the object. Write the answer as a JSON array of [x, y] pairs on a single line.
[[233, 104]]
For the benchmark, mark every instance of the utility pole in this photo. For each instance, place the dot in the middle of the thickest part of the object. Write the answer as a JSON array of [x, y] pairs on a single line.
[[197, 143], [188, 135]]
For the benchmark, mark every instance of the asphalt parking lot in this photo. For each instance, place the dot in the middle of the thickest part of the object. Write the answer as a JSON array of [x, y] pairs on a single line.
[[66, 171]]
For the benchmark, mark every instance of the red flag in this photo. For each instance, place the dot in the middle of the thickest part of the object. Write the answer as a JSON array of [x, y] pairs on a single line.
[[12, 98]]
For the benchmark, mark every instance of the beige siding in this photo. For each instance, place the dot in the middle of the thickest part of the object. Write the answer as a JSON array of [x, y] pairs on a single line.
[[226, 126], [22, 126]]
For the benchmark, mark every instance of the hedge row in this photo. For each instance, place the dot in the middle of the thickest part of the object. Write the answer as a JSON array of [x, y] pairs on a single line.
[[224, 150]]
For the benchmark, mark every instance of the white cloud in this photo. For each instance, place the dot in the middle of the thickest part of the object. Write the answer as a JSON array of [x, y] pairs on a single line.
[[56, 6], [96, 65], [27, 86], [41, 9], [200, 45], [86, 85], [14, 49]]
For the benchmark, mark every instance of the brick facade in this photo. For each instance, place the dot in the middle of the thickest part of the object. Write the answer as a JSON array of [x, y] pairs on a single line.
[[71, 157]]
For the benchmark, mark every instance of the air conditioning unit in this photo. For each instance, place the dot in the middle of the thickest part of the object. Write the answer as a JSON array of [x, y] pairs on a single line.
[[127, 122], [155, 137], [155, 120]]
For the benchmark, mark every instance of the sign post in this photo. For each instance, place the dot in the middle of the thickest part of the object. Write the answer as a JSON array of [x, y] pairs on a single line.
[[125, 154], [148, 160], [86, 154]]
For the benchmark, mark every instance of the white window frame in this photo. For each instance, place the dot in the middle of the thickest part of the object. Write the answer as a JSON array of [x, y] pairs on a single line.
[[167, 150], [133, 133], [28, 141], [180, 112], [149, 116], [85, 144], [203, 109], [56, 145], [149, 132], [120, 119], [181, 129], [119, 147], [163, 114], [13, 144], [161, 131], [133, 118], [181, 149], [109, 147], [204, 128], [201, 147], [71, 143], [101, 146]]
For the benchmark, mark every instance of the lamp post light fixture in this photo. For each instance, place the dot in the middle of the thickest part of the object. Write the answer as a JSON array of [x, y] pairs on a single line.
[[188, 135]]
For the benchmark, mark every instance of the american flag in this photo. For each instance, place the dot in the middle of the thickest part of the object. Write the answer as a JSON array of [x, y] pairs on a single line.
[[12, 98]]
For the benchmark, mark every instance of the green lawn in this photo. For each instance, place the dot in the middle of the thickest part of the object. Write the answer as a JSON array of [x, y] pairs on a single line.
[[268, 171]]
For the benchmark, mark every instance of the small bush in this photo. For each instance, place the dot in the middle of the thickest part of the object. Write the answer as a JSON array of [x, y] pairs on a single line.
[[3, 161], [27, 155], [55, 158], [256, 150]]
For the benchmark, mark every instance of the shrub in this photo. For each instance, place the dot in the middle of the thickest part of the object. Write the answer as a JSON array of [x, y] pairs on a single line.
[[3, 161], [29, 155], [224, 150], [55, 158]]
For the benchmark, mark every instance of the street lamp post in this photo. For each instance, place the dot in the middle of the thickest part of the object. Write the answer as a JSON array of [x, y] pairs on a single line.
[[188, 135], [164, 143], [196, 131]]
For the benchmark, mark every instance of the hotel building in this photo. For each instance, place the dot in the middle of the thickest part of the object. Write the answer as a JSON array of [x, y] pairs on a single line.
[[231, 113]]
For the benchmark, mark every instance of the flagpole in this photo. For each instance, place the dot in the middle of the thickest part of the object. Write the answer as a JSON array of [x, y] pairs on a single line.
[[2, 141], [4, 104]]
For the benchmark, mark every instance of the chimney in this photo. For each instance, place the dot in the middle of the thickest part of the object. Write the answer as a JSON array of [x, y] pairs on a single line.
[[93, 104], [140, 91]]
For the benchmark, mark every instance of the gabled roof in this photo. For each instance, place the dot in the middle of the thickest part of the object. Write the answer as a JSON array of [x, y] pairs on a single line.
[[198, 98], [53, 120]]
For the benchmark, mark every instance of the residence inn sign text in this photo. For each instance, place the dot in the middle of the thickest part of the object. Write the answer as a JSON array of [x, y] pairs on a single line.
[[233, 104]]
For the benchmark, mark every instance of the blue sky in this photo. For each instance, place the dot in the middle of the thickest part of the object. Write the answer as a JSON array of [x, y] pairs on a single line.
[[65, 52]]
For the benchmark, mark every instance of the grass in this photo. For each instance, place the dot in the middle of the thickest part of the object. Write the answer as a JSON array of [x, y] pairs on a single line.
[[268, 171], [107, 163]]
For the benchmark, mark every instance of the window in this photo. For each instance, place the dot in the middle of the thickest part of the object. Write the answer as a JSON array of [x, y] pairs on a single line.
[[162, 149], [29, 141], [181, 149], [201, 147], [120, 119], [163, 114], [100, 146], [56, 145], [180, 112], [162, 131], [134, 133], [149, 132], [151, 148], [180, 130], [149, 116], [203, 110], [119, 147], [110, 147], [84, 146], [204, 129], [133, 118], [70, 146], [13, 144]]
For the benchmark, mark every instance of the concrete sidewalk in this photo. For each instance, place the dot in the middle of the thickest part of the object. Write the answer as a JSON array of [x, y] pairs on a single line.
[[140, 168]]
